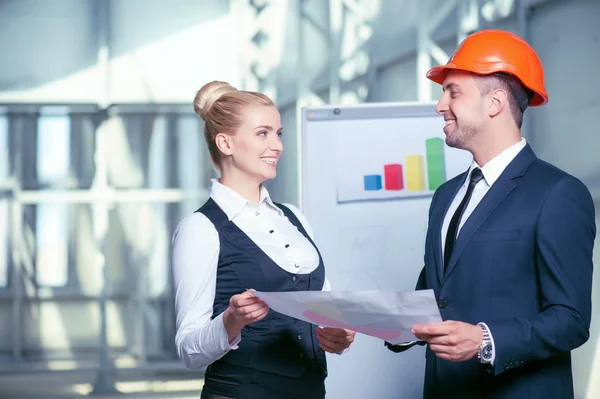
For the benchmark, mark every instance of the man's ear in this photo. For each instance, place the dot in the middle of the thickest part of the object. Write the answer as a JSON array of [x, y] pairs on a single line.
[[499, 100], [224, 143]]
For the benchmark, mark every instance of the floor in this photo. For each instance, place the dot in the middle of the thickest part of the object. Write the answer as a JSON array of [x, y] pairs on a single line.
[[131, 384]]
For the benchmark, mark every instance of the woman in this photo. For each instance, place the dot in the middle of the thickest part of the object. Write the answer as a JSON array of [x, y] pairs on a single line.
[[240, 240]]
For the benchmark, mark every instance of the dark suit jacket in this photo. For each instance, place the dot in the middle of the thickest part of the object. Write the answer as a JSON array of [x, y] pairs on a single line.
[[523, 265]]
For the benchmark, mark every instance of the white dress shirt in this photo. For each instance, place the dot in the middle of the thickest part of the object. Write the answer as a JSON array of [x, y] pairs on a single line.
[[491, 172], [201, 341]]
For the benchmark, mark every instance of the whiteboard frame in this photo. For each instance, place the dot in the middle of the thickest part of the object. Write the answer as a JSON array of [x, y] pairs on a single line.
[[364, 350]]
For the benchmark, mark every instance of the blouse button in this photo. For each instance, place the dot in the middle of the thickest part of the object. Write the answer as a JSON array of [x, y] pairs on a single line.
[[296, 265]]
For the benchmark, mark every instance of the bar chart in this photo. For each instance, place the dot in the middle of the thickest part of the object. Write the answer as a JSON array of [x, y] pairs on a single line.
[[414, 166], [396, 165]]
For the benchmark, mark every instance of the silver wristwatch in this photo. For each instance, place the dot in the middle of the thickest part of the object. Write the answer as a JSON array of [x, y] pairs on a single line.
[[484, 354]]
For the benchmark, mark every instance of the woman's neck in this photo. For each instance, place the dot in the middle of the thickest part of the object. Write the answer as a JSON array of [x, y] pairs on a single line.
[[245, 187]]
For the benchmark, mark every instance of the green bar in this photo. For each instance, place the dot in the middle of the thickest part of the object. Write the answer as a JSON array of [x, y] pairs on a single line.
[[436, 162]]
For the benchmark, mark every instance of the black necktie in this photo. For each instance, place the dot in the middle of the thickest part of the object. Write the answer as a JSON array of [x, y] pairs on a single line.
[[476, 176]]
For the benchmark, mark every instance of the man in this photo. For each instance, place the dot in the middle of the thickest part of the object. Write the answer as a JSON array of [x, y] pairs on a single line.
[[509, 245]]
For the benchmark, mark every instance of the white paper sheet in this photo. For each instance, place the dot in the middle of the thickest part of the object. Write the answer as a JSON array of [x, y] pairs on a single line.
[[388, 315]]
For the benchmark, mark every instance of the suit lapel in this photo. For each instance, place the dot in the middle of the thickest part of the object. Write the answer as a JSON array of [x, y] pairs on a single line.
[[497, 193], [494, 197], [437, 222]]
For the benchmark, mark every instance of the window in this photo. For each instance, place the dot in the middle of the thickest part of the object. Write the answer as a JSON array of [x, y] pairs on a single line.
[[52, 234], [193, 167], [53, 148], [4, 208]]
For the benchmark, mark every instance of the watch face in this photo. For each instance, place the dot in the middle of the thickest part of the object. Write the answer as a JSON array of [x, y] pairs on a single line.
[[486, 353]]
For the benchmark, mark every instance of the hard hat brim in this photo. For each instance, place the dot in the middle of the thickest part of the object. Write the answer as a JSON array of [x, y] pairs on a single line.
[[439, 73]]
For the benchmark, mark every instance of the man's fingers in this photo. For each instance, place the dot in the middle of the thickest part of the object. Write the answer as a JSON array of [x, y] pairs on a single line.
[[427, 337], [441, 349], [445, 328], [445, 340], [422, 337], [451, 353], [431, 330]]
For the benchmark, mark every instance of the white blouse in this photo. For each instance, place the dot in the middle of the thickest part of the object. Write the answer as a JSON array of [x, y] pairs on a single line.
[[201, 341]]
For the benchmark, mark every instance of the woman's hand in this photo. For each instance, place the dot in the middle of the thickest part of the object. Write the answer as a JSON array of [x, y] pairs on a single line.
[[334, 340], [244, 309]]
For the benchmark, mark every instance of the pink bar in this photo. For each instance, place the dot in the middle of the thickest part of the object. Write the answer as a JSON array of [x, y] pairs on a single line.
[[393, 177]]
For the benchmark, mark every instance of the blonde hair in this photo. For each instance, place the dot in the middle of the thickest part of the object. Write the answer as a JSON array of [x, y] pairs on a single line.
[[220, 106]]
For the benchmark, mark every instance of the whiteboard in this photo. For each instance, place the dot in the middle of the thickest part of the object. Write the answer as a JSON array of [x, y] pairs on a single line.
[[367, 176]]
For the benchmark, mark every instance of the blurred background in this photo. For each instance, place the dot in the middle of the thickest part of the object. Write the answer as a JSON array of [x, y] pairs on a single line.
[[101, 154]]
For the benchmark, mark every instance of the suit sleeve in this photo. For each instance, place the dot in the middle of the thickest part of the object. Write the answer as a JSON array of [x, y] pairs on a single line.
[[422, 281], [421, 285], [565, 234]]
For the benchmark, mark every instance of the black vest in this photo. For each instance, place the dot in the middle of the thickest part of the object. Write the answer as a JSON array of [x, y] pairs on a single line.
[[278, 351]]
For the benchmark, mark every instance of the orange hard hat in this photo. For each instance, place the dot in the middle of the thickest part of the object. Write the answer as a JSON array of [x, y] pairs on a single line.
[[492, 51]]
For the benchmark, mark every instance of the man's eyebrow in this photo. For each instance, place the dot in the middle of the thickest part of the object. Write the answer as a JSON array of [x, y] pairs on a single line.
[[450, 86]]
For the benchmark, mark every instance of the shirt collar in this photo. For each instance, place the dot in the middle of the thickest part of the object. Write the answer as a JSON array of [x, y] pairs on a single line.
[[232, 203], [493, 169]]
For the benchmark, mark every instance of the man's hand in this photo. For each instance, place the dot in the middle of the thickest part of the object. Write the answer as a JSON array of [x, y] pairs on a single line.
[[451, 340], [334, 340], [244, 308]]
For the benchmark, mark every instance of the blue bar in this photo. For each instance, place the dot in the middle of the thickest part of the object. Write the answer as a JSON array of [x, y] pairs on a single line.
[[373, 182]]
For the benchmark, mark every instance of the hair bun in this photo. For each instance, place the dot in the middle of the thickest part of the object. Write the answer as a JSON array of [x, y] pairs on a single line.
[[208, 94]]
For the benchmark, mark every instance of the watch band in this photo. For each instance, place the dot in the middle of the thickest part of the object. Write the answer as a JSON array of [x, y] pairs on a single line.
[[484, 354]]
